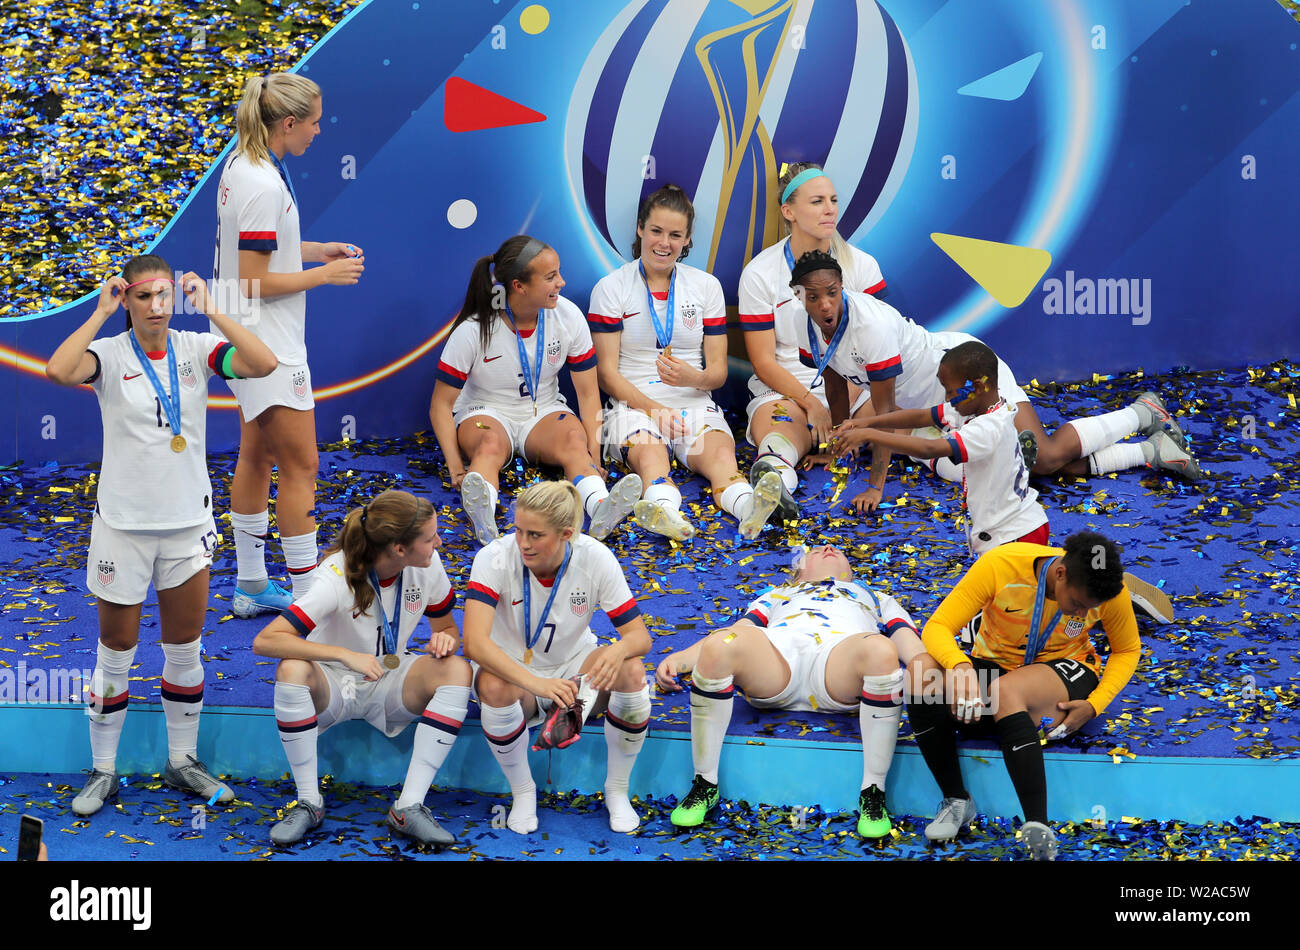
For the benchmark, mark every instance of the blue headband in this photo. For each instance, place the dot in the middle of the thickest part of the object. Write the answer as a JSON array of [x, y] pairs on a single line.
[[798, 180]]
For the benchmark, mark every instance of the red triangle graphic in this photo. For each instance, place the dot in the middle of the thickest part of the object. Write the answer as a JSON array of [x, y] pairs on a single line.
[[467, 108]]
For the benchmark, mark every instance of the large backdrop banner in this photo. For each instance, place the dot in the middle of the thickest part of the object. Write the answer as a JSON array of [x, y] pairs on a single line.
[[1088, 185]]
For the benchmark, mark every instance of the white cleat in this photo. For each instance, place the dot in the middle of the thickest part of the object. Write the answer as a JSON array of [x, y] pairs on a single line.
[[476, 497], [1154, 602], [615, 506], [666, 521], [767, 494]]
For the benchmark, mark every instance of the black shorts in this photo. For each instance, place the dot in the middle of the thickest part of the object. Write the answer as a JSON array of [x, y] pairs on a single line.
[[1080, 682]]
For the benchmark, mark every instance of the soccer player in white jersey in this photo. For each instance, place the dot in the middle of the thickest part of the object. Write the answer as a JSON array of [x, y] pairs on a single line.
[[660, 330], [855, 338], [153, 508], [788, 410], [259, 265], [343, 655], [528, 610], [822, 642], [497, 393]]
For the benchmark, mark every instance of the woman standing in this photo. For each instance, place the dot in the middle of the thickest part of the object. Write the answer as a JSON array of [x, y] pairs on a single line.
[[497, 393], [660, 329], [261, 254], [153, 508]]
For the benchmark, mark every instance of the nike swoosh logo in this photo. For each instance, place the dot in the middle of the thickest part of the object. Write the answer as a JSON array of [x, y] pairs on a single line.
[[514, 602], [1013, 610], [489, 359], [127, 379], [1017, 748], [356, 614], [785, 301]]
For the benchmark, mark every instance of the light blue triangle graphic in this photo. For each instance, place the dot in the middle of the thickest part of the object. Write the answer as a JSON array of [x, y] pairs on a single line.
[[1008, 83]]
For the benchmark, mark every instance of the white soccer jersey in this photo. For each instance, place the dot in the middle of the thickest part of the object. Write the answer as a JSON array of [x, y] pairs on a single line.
[[828, 609], [1000, 505], [593, 580], [328, 612], [618, 303], [256, 212], [496, 377], [878, 344], [767, 301], [143, 484]]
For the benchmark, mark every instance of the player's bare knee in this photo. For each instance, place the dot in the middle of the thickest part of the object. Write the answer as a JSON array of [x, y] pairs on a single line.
[[631, 675], [878, 654], [493, 690], [718, 653], [297, 672], [494, 446], [455, 671], [924, 680]]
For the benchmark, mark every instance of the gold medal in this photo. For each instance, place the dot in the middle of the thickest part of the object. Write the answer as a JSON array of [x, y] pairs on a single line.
[[528, 657], [392, 661], [178, 443]]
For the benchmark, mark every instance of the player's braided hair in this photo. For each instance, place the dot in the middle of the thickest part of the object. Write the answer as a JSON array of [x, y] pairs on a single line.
[[392, 517], [671, 198], [482, 300], [811, 262], [137, 267], [1093, 563]]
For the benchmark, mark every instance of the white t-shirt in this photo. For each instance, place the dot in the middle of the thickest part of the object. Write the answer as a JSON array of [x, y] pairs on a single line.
[[879, 343], [496, 377], [618, 303], [767, 301], [1000, 505], [143, 484], [327, 613], [256, 212], [827, 610], [593, 580]]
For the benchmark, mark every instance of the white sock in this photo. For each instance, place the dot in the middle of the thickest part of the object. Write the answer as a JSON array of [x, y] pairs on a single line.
[[506, 731], [1097, 432], [1118, 457], [944, 467], [880, 710], [182, 699], [665, 494], [109, 695], [493, 496], [626, 720], [442, 717], [784, 457], [250, 550], [592, 491], [737, 500], [711, 702], [295, 714], [300, 557]]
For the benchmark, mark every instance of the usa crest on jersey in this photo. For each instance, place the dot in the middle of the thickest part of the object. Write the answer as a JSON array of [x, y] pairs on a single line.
[[106, 571], [578, 602], [185, 372], [300, 384], [690, 314], [411, 600], [553, 351], [1074, 626]]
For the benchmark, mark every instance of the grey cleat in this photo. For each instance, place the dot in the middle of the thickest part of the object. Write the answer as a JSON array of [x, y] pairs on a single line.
[[668, 522], [615, 507], [417, 823], [300, 819], [767, 494], [953, 817], [194, 777], [1162, 419], [787, 507], [1040, 841], [1166, 454], [100, 787]]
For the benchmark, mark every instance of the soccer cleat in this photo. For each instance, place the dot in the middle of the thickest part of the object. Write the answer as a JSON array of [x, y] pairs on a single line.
[[1162, 419], [100, 787], [666, 521], [1028, 447], [272, 599], [1166, 454], [873, 820], [954, 815], [194, 777], [787, 507], [418, 824], [967, 634], [476, 498], [767, 494], [300, 819], [1040, 841], [1153, 601], [699, 801], [615, 506]]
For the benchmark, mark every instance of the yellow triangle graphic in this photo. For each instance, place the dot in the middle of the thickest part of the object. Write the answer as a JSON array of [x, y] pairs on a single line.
[[1007, 271]]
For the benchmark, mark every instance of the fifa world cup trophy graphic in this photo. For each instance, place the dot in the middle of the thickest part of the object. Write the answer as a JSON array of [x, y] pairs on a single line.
[[739, 62]]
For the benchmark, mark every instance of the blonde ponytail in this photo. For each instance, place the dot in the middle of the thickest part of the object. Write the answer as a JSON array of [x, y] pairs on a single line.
[[265, 102]]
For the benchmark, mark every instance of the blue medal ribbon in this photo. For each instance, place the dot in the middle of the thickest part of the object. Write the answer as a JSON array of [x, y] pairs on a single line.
[[665, 337], [171, 405], [815, 346], [389, 631], [789, 257], [533, 383], [531, 636], [1038, 637], [284, 174]]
